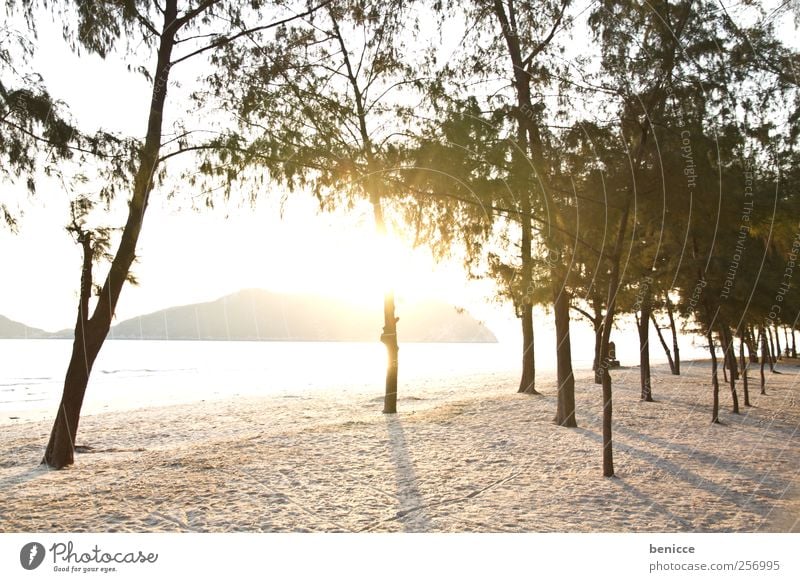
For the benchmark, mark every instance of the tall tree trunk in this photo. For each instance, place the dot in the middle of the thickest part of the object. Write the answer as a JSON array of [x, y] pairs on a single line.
[[772, 358], [778, 352], [752, 344], [794, 345], [598, 339], [644, 349], [611, 306], [389, 335], [729, 361], [529, 135], [373, 189], [91, 332], [714, 378], [565, 406], [732, 365], [786, 342], [744, 364], [762, 336], [527, 383], [663, 344], [60, 451], [675, 349]]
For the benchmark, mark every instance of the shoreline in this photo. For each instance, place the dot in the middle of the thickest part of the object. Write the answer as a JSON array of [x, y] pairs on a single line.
[[460, 458]]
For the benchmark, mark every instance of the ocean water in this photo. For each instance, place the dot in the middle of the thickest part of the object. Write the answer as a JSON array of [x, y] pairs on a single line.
[[142, 373]]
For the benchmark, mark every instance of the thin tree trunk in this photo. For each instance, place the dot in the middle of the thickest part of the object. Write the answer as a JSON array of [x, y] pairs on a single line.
[[752, 345], [527, 384], [373, 190], [611, 305], [674, 330], [598, 339], [786, 342], [60, 450], [778, 352], [644, 349], [794, 345], [762, 336], [663, 344], [389, 335], [714, 378], [744, 365], [565, 406], [565, 413], [772, 358], [91, 332], [729, 361], [732, 365]]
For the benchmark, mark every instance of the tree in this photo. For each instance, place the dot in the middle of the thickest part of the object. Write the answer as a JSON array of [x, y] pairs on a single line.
[[103, 27], [321, 124], [525, 42]]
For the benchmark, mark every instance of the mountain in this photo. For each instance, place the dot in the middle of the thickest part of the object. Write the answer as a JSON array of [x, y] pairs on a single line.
[[255, 314], [10, 329]]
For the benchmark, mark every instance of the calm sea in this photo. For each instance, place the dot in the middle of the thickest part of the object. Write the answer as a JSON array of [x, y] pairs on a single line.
[[134, 374]]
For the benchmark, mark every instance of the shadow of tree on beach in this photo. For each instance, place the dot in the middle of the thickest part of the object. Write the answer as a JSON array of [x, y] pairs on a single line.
[[412, 505], [755, 501]]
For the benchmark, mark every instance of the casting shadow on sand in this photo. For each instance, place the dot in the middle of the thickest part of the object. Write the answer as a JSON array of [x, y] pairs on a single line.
[[743, 501], [24, 476], [736, 468], [411, 512]]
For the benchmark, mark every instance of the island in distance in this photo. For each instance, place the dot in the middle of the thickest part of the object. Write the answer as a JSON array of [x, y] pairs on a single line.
[[255, 314]]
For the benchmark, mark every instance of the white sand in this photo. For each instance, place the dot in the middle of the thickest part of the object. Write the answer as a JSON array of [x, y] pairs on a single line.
[[457, 458]]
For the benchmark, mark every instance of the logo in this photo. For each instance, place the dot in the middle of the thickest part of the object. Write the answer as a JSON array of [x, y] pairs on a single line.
[[31, 555]]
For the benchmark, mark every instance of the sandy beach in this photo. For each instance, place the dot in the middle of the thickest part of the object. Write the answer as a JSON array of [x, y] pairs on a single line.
[[457, 458]]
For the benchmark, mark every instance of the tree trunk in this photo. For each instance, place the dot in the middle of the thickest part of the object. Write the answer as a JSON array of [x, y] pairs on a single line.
[[527, 384], [772, 358], [644, 349], [608, 320], [729, 361], [786, 342], [794, 345], [389, 335], [663, 344], [752, 344], [714, 378], [565, 407], [530, 142], [778, 353], [90, 333], [597, 364], [764, 356], [744, 365], [732, 365], [60, 450], [674, 330], [608, 409], [389, 339]]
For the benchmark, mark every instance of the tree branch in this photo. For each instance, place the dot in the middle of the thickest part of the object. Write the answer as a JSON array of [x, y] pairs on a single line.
[[228, 39]]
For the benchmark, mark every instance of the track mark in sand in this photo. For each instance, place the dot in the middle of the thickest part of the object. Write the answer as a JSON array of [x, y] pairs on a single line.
[[174, 520], [451, 501], [300, 506], [88, 449]]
